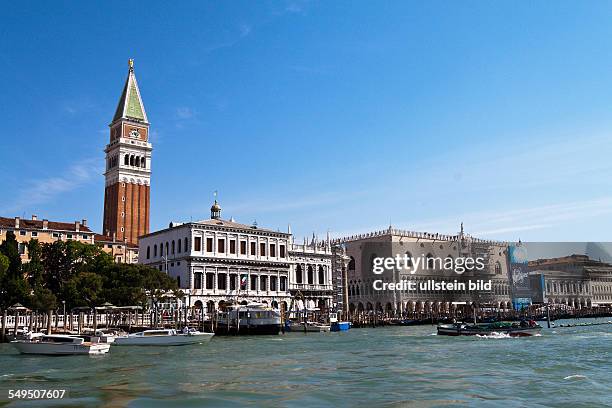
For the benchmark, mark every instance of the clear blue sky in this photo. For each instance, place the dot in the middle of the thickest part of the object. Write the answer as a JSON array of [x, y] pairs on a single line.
[[340, 116]]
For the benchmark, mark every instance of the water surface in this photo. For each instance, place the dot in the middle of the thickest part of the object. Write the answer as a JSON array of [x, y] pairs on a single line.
[[386, 366]]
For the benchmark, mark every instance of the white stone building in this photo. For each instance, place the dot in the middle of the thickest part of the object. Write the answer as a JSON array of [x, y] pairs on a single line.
[[216, 261]]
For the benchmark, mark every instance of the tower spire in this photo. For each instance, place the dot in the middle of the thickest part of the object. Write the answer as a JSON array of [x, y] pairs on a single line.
[[215, 210], [130, 104]]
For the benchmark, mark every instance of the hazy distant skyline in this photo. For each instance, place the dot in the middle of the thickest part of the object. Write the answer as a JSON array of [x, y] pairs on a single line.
[[343, 116]]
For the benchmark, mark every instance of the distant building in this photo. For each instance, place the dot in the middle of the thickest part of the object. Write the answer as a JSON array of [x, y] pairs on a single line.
[[361, 249], [128, 167], [44, 231], [216, 261], [121, 251], [575, 281]]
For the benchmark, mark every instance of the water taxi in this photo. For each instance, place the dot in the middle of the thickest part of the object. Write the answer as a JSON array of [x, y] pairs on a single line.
[[163, 337], [512, 329], [56, 344], [253, 318]]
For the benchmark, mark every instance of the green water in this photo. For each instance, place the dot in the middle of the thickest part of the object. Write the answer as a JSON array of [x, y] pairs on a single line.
[[392, 366]]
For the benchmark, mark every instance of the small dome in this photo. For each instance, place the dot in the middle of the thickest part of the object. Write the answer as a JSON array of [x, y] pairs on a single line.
[[215, 207]]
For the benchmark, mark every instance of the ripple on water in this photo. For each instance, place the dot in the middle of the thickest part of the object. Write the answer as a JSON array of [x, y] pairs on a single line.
[[397, 366]]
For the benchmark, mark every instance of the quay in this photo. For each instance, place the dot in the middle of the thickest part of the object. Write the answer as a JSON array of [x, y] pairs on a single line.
[[134, 318]]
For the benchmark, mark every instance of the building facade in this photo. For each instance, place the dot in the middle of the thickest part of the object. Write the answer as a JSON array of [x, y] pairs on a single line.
[[575, 281], [128, 167], [44, 231], [363, 298], [217, 261]]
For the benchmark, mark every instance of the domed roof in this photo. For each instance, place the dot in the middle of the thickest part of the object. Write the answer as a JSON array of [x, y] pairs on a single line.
[[215, 207]]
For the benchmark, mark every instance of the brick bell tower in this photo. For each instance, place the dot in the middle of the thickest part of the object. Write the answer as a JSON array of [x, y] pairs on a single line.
[[128, 167]]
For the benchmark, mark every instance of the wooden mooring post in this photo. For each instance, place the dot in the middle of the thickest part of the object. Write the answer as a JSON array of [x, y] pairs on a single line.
[[3, 334]]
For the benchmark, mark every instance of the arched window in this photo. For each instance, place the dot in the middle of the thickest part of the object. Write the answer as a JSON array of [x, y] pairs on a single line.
[[172, 247], [409, 260], [148, 252], [298, 274], [372, 261], [179, 246], [167, 252], [351, 264], [143, 162], [498, 270], [155, 251], [161, 249], [126, 161], [186, 246], [310, 275], [321, 275], [137, 161], [430, 262], [131, 160]]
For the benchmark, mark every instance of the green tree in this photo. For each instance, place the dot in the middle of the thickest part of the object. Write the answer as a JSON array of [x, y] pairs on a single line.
[[43, 299], [34, 270], [13, 287], [84, 289]]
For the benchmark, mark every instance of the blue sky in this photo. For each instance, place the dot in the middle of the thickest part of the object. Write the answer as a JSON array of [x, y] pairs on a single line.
[[339, 116]]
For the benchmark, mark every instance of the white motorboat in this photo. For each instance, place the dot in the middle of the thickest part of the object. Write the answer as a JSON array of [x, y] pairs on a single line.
[[56, 344], [109, 335], [163, 337], [309, 327]]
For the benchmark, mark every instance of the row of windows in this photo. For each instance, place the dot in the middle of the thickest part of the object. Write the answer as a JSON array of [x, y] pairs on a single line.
[[174, 247], [34, 234], [253, 282], [299, 275], [133, 160]]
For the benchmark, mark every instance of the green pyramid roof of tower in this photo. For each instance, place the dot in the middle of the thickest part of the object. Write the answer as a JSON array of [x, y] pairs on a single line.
[[130, 104]]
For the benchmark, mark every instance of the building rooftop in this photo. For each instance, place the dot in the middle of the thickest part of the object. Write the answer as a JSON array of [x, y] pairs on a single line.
[[36, 224]]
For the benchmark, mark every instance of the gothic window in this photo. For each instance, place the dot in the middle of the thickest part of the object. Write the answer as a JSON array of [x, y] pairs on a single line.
[[148, 252], [310, 275], [430, 261], [126, 161], [167, 253], [155, 251], [137, 161], [143, 162], [186, 244], [409, 259], [173, 247], [351, 264], [131, 160], [498, 270], [321, 275], [161, 249]]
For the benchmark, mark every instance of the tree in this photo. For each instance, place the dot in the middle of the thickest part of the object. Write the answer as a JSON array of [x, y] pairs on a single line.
[[83, 289], [13, 287], [34, 270], [43, 299]]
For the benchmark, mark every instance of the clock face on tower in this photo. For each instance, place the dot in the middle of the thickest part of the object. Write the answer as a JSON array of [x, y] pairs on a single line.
[[134, 134]]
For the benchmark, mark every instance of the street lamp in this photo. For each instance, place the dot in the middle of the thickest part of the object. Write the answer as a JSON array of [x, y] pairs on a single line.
[[64, 304]]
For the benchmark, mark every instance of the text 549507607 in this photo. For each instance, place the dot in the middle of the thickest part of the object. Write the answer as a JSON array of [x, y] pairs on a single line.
[[36, 394]]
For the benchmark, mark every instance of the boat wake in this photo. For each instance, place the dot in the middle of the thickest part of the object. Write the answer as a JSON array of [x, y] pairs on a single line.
[[576, 377], [494, 335]]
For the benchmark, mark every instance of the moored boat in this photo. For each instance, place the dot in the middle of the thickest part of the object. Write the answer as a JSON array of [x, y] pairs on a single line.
[[253, 318], [487, 329], [336, 325], [312, 327], [55, 344], [163, 337]]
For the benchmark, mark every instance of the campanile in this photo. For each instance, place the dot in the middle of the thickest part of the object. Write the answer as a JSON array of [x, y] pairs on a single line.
[[128, 167]]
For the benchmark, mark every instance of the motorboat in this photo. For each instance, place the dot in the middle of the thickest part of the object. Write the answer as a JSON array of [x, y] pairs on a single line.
[[336, 325], [163, 337], [308, 327], [252, 318], [56, 344], [109, 335], [512, 329]]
